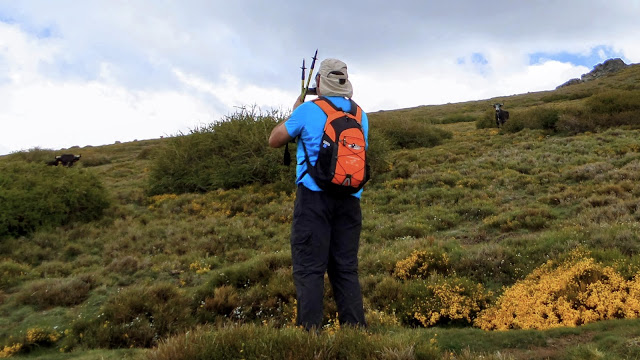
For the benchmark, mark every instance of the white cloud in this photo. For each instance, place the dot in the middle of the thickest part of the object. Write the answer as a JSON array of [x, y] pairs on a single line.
[[65, 114], [37, 111], [233, 93], [435, 83], [75, 73]]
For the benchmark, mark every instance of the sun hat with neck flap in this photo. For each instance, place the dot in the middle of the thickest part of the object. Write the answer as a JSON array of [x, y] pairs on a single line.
[[334, 79]]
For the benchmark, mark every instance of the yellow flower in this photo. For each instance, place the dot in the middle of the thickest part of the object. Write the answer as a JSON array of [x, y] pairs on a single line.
[[11, 350], [572, 293]]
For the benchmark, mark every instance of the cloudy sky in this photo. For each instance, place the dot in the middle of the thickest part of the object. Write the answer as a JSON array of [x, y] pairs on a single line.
[[98, 71]]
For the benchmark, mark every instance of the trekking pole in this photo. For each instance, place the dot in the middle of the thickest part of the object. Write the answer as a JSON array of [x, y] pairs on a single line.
[[287, 157], [306, 88], [302, 81]]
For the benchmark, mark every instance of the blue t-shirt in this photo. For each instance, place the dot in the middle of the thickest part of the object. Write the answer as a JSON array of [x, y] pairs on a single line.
[[308, 120]]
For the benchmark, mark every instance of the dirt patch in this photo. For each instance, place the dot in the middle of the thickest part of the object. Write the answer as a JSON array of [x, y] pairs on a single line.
[[555, 348]]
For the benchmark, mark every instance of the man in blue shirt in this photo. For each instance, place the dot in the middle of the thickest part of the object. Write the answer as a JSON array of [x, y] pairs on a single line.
[[325, 233]]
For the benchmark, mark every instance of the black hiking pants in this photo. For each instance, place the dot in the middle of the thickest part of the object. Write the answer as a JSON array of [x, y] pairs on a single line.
[[325, 236]]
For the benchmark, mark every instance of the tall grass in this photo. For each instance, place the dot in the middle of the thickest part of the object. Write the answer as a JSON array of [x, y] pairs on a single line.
[[265, 342]]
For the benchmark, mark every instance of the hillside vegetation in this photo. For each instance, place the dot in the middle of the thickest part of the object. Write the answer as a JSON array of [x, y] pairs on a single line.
[[178, 248]]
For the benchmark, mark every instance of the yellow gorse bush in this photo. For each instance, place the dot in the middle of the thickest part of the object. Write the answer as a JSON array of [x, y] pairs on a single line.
[[34, 337], [157, 199], [452, 299], [40, 336], [10, 350], [200, 267], [575, 292], [419, 264]]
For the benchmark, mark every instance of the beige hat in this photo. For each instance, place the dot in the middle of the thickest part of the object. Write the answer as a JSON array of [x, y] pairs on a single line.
[[334, 79]]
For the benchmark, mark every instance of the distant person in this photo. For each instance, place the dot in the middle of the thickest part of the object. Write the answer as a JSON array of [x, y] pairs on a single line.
[[325, 233]]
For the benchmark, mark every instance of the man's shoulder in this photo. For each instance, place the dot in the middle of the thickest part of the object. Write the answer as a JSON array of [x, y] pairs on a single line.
[[307, 107], [342, 102]]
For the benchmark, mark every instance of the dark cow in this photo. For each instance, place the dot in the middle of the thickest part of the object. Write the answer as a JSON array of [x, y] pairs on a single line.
[[501, 115], [64, 159]]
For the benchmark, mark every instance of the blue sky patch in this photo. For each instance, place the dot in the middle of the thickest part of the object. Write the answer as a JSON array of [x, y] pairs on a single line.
[[31, 29], [479, 59], [475, 61], [598, 55], [6, 19], [474, 58], [44, 33]]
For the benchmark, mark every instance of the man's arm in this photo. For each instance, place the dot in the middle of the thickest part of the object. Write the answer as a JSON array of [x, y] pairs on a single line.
[[279, 135]]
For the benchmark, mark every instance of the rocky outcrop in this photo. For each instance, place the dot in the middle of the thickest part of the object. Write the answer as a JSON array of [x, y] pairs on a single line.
[[608, 67], [570, 82]]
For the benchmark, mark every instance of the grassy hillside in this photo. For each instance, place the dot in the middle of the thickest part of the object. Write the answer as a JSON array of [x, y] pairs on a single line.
[[529, 228]]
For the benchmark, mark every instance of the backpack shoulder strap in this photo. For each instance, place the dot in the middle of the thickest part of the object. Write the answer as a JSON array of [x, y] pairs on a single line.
[[326, 105], [356, 111], [328, 108]]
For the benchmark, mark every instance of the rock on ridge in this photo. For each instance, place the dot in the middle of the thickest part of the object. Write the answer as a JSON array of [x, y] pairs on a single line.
[[608, 67]]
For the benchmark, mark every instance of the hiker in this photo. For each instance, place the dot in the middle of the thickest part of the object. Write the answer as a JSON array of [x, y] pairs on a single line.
[[327, 220]]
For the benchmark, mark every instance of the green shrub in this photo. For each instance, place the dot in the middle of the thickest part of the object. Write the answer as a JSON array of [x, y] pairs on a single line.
[[542, 117], [530, 219], [126, 265], [244, 274], [34, 155], [487, 120], [555, 97], [35, 196], [581, 120], [378, 153], [146, 153], [95, 160], [410, 134], [614, 101], [13, 273], [141, 315], [51, 269], [489, 263], [230, 153], [475, 209], [49, 293], [514, 124], [572, 123], [587, 171], [456, 118], [386, 294], [221, 303]]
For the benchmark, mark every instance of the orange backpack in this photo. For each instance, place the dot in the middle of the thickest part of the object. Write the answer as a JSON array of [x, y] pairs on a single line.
[[342, 166]]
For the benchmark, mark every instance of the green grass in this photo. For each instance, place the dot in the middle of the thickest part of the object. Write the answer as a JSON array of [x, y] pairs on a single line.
[[618, 339], [123, 354], [215, 264]]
